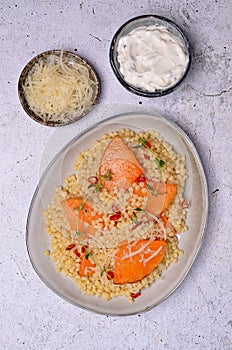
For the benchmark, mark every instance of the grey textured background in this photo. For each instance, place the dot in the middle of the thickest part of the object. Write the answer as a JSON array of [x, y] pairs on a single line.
[[198, 315]]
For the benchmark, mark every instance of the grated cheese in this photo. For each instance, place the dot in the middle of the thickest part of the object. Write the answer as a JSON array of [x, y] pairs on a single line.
[[160, 223], [141, 249], [153, 255], [58, 91]]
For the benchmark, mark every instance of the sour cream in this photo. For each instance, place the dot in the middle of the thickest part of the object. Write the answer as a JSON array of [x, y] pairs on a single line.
[[151, 58]]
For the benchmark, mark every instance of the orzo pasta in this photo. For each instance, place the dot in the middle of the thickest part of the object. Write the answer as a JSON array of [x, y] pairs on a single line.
[[114, 223]]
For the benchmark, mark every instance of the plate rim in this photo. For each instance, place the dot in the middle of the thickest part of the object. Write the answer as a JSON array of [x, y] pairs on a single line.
[[204, 226]]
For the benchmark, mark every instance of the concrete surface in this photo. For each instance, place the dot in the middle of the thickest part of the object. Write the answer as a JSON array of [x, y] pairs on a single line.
[[198, 315]]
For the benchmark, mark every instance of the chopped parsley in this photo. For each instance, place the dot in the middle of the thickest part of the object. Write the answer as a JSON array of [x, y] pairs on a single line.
[[134, 219], [160, 163], [103, 271], [81, 207], [138, 209], [87, 255], [108, 176], [153, 192]]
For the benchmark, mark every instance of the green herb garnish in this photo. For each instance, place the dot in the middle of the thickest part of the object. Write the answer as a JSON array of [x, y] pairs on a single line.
[[108, 176], [103, 271], [146, 144], [91, 185], [98, 186], [160, 163], [153, 192], [98, 181], [134, 220], [80, 207], [87, 255], [78, 233], [143, 142], [138, 209]]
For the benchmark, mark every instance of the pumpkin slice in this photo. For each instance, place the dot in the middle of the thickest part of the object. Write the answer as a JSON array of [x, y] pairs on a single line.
[[167, 224], [160, 197], [136, 260], [80, 215], [87, 267], [121, 163]]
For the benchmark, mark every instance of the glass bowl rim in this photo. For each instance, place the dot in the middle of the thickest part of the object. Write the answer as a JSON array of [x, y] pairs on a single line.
[[132, 88]]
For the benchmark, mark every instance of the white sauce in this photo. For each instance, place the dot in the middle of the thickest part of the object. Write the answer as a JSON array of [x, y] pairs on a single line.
[[151, 58]]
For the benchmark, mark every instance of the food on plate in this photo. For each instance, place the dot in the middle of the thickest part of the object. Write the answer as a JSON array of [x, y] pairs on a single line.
[[114, 224], [122, 163], [135, 260], [151, 58], [58, 89], [160, 196], [80, 214]]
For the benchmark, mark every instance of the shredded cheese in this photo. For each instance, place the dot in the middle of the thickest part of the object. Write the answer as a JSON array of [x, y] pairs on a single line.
[[57, 90], [141, 249], [153, 255], [160, 223], [88, 269]]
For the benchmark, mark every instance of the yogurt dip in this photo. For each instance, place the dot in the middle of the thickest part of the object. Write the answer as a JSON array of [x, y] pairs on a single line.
[[151, 58]]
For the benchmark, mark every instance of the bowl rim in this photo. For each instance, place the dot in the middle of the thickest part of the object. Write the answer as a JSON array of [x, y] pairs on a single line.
[[27, 68], [138, 91]]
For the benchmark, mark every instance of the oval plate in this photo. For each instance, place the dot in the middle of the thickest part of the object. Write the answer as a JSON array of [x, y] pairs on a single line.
[[62, 166]]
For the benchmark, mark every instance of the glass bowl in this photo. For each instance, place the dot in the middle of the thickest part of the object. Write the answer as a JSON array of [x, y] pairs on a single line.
[[68, 58], [146, 21]]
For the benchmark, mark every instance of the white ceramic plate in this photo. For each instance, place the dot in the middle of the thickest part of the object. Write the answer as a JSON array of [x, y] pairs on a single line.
[[62, 165]]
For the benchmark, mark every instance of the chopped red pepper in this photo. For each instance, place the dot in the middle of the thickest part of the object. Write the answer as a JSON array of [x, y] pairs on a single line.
[[77, 253], [141, 178], [70, 246], [115, 217], [93, 180], [83, 249], [110, 275], [148, 144], [135, 295]]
